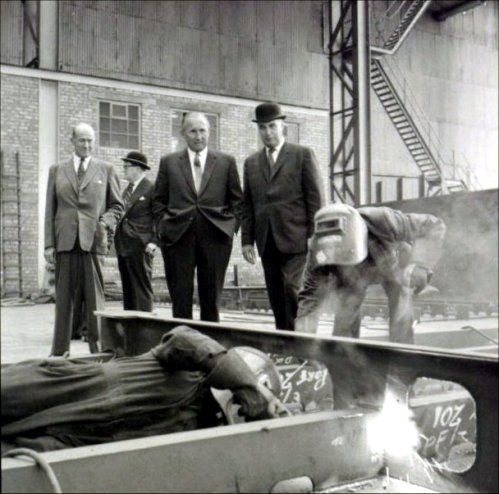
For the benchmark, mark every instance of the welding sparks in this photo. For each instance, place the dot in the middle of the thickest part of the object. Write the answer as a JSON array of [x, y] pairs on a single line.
[[394, 431]]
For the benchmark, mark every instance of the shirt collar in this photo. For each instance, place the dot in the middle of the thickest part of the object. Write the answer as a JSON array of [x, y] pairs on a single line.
[[278, 147], [76, 162], [137, 182], [202, 155]]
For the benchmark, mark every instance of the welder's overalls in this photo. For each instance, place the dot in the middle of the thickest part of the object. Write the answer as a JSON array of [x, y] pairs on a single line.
[[391, 234], [55, 403]]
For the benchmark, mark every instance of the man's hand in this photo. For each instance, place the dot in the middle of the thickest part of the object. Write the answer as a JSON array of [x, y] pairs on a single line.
[[49, 255], [259, 403], [249, 253], [275, 407], [417, 277], [151, 249]]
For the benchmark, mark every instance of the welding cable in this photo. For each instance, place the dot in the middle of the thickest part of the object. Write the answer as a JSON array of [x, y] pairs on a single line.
[[40, 461]]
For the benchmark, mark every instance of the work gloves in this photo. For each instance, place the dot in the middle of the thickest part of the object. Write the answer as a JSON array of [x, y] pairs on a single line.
[[416, 277]]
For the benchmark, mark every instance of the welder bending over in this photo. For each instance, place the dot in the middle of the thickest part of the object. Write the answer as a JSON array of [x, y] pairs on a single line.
[[354, 248], [50, 404]]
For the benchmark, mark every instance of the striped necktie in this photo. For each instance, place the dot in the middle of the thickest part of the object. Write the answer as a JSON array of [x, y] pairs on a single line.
[[128, 194]]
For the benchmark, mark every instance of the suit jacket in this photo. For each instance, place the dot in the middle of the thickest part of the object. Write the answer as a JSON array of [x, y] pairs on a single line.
[[176, 203], [78, 210], [136, 228], [284, 201]]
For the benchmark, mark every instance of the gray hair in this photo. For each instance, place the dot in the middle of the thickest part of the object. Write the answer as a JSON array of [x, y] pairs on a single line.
[[194, 114]]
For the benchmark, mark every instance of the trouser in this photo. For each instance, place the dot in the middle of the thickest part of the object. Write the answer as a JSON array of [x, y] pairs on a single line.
[[136, 280], [283, 274], [78, 276], [400, 307], [205, 249]]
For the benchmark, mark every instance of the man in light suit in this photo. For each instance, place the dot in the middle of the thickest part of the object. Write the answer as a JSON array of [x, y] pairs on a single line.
[[135, 240], [83, 207], [282, 192], [197, 200]]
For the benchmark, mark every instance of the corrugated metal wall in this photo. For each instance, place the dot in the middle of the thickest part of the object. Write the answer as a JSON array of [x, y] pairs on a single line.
[[254, 49], [11, 13]]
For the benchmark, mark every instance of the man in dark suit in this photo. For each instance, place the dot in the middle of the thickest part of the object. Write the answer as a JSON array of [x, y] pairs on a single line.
[[282, 192], [135, 240], [197, 198], [83, 207]]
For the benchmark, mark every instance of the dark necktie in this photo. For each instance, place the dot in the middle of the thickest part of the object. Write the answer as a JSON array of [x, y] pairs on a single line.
[[198, 172], [81, 171], [128, 194], [271, 159]]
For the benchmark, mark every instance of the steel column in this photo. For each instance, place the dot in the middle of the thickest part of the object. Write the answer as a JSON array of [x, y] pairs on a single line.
[[350, 102]]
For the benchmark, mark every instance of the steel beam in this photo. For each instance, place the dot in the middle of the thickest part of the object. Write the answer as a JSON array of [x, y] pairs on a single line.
[[360, 371], [328, 447]]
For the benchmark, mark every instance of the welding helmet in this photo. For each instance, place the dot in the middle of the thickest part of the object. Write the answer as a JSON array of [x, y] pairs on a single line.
[[266, 374], [340, 236]]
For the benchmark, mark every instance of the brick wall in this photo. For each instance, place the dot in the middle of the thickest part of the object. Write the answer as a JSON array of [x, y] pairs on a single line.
[[80, 102], [19, 133], [237, 136]]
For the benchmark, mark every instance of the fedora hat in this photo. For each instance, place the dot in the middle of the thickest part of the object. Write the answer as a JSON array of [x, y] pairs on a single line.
[[266, 112], [137, 159]]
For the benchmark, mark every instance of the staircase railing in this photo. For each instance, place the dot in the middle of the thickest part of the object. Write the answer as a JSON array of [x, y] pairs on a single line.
[[453, 164], [390, 26]]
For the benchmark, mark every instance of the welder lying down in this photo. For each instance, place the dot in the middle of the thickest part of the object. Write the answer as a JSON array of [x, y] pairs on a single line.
[[50, 404]]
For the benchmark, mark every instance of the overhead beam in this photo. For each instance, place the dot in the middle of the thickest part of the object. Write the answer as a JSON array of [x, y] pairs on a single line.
[[458, 9]]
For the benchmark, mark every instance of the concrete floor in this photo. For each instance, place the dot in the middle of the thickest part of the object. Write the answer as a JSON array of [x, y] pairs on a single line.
[[26, 331]]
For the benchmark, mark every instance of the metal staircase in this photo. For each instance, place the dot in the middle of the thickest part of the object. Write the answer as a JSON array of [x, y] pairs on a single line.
[[405, 125], [401, 14], [440, 171]]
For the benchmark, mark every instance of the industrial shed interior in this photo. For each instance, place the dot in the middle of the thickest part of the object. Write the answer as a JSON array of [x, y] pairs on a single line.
[[398, 100]]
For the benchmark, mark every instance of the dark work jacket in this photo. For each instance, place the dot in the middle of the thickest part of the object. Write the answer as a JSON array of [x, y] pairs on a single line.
[[81, 402], [394, 240], [136, 228]]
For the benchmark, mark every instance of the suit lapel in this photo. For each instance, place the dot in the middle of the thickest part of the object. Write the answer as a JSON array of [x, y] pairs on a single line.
[[264, 165], [69, 169], [137, 193], [91, 171], [280, 161], [185, 166], [208, 170]]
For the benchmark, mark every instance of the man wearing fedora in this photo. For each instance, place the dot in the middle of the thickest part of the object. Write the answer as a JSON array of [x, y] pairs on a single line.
[[135, 240], [197, 203], [282, 192]]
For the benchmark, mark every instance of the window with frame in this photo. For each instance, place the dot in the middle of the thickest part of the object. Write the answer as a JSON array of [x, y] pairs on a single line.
[[119, 125], [177, 140]]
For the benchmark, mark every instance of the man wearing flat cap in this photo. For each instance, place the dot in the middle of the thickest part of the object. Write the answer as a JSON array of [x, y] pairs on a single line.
[[282, 193], [135, 240]]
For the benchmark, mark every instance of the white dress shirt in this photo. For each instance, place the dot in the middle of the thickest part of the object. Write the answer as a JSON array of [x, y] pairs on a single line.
[[277, 150], [202, 160], [136, 184], [76, 162]]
